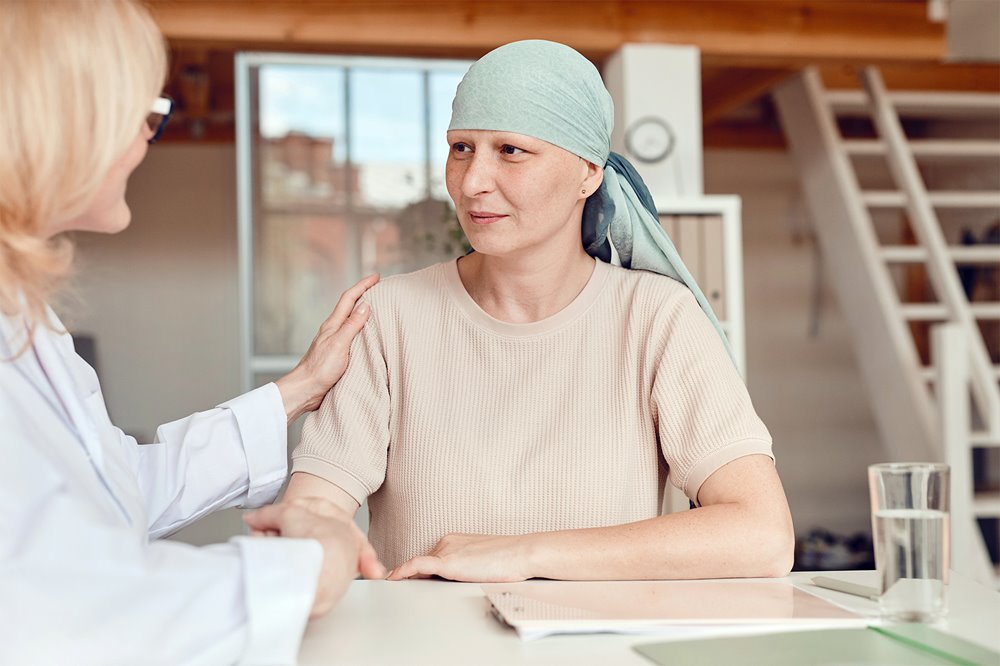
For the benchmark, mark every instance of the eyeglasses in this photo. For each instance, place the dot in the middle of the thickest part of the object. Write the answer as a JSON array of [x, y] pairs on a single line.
[[158, 116]]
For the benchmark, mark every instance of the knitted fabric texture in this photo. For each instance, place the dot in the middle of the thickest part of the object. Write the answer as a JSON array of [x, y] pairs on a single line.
[[448, 420]]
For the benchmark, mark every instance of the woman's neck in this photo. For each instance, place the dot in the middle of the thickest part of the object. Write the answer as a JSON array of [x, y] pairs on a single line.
[[525, 289]]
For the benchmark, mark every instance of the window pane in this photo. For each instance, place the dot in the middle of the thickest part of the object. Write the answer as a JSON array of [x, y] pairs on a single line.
[[303, 263], [442, 88], [340, 162], [301, 136], [387, 136]]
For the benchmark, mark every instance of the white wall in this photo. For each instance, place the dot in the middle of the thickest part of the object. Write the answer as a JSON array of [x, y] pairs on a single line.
[[161, 299]]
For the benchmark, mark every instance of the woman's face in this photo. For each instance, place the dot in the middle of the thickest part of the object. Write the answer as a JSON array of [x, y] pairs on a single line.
[[108, 213], [515, 193]]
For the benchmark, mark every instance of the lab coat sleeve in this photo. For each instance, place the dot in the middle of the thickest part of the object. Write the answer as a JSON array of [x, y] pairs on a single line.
[[234, 455], [79, 587]]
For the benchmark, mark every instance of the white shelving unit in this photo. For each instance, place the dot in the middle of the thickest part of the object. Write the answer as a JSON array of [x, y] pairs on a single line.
[[708, 233]]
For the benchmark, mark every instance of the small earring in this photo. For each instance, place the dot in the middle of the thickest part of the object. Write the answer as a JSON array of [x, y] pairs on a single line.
[[583, 191]]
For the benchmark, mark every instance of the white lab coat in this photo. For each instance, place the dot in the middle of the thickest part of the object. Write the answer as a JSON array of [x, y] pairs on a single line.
[[83, 579]]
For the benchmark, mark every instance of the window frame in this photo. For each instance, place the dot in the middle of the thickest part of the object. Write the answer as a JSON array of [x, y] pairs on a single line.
[[252, 364]]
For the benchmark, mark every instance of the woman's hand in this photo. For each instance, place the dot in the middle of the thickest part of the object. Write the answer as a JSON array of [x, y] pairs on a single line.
[[302, 389], [473, 558]]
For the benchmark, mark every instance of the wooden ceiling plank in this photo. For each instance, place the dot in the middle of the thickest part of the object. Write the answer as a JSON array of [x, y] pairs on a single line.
[[746, 45], [881, 30]]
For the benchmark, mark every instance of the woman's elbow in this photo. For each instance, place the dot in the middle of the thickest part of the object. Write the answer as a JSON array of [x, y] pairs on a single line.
[[779, 563], [777, 550]]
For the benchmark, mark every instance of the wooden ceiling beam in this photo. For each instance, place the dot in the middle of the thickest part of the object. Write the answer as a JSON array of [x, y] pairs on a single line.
[[724, 91], [922, 76], [779, 31]]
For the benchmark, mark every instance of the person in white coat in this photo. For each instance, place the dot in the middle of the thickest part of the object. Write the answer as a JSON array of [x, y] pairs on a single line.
[[83, 578]]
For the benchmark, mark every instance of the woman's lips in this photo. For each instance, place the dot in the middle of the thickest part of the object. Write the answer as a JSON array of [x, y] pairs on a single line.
[[485, 217]]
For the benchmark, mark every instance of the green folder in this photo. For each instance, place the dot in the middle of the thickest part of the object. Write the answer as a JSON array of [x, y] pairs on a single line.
[[903, 645]]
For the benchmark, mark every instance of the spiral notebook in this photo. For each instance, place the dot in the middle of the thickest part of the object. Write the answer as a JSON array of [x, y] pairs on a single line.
[[679, 608]]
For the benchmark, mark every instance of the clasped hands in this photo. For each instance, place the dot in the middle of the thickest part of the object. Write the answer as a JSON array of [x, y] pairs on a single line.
[[346, 551]]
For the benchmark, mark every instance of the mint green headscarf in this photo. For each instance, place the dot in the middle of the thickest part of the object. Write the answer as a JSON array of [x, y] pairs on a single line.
[[550, 92]]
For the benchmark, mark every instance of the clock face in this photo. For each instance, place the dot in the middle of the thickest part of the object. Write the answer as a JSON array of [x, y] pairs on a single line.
[[649, 139]]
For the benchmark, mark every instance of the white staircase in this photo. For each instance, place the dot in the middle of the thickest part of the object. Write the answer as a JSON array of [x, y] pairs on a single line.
[[914, 405]]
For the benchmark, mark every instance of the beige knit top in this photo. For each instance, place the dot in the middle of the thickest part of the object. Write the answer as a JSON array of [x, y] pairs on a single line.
[[449, 420]]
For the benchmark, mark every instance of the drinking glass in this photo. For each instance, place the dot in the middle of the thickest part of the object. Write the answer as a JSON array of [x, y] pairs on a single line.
[[911, 529]]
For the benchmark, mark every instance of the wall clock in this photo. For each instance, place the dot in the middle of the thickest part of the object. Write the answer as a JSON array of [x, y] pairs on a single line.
[[650, 139]]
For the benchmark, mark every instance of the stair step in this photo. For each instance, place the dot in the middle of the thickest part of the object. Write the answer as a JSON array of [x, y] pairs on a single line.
[[983, 439], [938, 312], [919, 103], [986, 504], [960, 254], [939, 199], [929, 373], [927, 148], [985, 310]]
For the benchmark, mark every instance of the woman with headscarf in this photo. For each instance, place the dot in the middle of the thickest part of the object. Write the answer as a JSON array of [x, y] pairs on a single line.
[[515, 413], [84, 577]]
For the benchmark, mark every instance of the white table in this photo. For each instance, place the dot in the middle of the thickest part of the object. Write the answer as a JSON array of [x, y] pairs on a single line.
[[431, 622]]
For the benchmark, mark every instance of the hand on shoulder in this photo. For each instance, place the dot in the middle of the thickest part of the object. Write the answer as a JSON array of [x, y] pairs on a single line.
[[322, 366]]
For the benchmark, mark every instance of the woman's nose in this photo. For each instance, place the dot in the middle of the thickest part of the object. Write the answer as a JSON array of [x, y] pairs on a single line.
[[478, 177]]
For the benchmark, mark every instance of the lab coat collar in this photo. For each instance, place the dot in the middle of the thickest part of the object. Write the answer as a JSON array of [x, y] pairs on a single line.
[[13, 335]]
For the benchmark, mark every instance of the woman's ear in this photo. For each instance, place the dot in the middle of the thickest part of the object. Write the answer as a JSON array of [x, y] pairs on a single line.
[[593, 178]]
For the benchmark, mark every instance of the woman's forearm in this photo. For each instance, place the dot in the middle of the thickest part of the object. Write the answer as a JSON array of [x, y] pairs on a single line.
[[719, 541], [744, 529]]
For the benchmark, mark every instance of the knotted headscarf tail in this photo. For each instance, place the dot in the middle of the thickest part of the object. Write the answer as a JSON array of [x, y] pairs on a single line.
[[548, 91]]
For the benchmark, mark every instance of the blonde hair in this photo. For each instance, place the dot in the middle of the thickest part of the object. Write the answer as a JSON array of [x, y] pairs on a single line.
[[79, 77]]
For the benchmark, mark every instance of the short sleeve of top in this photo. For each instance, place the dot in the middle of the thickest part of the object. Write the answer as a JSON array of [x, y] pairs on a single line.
[[346, 440], [703, 413]]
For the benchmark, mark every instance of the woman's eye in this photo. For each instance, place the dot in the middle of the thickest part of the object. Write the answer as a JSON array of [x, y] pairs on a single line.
[[508, 149], [461, 148]]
